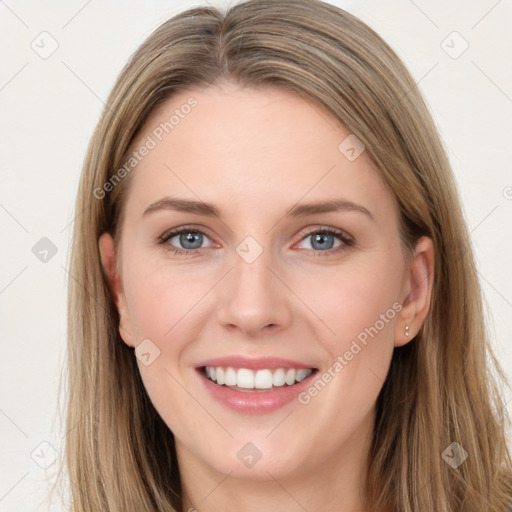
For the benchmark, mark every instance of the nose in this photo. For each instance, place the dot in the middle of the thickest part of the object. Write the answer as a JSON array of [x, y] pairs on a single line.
[[254, 297]]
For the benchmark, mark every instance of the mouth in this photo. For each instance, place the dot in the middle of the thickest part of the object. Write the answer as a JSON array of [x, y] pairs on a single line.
[[255, 386], [262, 380]]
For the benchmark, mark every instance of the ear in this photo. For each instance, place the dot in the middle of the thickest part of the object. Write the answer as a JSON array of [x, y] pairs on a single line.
[[416, 292], [109, 263]]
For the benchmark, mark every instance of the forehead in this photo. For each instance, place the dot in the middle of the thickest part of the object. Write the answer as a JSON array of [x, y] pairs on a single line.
[[249, 146]]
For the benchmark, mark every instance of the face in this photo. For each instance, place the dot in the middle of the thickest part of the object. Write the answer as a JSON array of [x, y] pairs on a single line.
[[225, 274]]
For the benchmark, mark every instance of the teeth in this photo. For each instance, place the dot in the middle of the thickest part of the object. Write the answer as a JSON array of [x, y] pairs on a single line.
[[301, 375], [279, 377], [230, 377], [245, 378], [290, 377], [263, 379], [259, 379]]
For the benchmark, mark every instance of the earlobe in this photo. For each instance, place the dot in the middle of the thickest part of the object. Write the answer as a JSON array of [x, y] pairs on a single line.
[[109, 264], [417, 292]]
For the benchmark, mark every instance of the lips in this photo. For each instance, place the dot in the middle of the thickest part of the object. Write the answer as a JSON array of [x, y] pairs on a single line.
[[257, 385], [260, 363]]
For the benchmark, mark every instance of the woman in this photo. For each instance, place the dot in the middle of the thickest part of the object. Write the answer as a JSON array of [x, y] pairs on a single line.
[[320, 345]]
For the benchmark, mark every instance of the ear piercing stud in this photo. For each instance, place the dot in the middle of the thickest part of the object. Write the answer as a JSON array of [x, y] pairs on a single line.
[[407, 333]]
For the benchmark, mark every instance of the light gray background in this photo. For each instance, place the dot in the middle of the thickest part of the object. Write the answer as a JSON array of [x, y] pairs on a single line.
[[49, 107]]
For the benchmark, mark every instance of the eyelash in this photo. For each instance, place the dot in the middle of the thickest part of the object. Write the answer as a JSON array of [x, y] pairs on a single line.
[[347, 241]]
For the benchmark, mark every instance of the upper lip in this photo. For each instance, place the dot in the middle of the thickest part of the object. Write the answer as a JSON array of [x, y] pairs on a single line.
[[257, 363]]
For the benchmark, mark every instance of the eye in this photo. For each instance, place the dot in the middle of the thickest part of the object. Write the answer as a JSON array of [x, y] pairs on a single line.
[[190, 239], [321, 241]]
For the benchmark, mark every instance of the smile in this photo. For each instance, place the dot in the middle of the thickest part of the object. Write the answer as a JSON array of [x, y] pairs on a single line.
[[254, 386], [245, 379]]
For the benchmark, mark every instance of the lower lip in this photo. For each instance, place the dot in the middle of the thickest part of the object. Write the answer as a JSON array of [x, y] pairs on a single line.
[[258, 401]]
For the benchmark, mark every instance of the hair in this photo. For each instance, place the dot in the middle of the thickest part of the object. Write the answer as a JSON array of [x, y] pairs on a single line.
[[440, 389]]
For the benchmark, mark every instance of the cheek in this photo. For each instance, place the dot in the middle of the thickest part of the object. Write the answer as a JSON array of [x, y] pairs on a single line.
[[161, 300], [163, 307], [357, 295], [360, 306]]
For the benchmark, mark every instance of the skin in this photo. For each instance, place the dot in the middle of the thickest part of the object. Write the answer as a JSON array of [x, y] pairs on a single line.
[[254, 153]]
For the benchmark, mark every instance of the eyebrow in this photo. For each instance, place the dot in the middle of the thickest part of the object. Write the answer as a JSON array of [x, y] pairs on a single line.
[[297, 211]]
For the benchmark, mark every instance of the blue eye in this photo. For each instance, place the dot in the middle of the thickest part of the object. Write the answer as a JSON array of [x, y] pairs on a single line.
[[323, 240], [191, 240], [187, 238]]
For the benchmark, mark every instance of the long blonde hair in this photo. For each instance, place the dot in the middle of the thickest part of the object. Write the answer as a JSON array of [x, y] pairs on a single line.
[[440, 389]]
